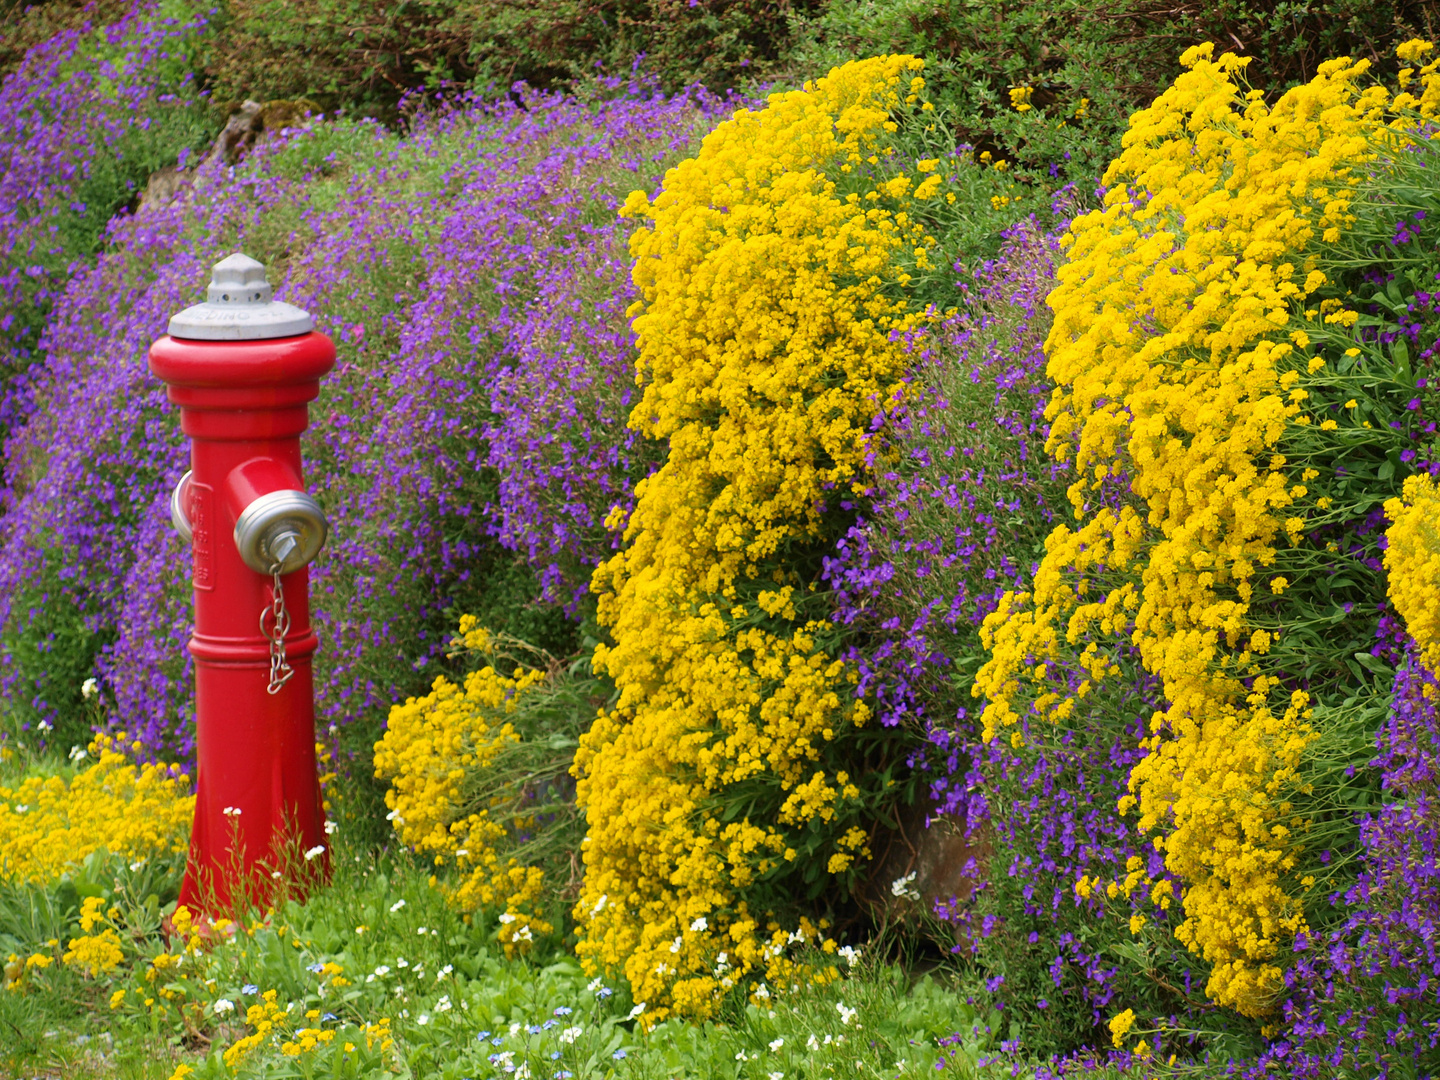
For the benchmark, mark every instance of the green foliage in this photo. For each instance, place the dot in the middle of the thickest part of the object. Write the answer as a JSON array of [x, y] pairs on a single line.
[[49, 652], [1091, 64], [366, 54], [440, 981]]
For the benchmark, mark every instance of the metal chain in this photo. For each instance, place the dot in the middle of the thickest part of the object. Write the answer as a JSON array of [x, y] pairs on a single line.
[[280, 669]]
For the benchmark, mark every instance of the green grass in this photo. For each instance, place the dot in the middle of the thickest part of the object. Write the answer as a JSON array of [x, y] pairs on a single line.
[[439, 980]]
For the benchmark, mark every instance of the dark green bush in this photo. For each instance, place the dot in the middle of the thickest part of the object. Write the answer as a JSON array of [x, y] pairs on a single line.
[[366, 54], [1090, 63]]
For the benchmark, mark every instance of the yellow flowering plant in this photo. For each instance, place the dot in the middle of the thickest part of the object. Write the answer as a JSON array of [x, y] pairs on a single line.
[[50, 824], [479, 780], [737, 777], [1206, 337]]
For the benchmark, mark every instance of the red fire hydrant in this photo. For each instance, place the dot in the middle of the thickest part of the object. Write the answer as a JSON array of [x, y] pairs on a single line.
[[243, 368]]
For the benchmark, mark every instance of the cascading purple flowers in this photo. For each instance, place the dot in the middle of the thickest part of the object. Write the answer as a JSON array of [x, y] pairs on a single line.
[[86, 113], [1388, 947], [474, 276]]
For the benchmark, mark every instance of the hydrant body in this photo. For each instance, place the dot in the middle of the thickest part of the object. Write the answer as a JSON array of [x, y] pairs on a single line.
[[243, 403]]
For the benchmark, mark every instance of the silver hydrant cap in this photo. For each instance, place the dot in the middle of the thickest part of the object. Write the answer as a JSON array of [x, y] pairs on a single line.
[[239, 307]]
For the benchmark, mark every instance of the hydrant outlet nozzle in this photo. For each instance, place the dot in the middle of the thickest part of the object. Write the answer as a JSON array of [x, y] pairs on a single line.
[[179, 517], [282, 528]]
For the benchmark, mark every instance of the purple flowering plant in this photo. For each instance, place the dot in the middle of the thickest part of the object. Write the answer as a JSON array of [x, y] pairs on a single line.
[[84, 120], [1062, 947], [467, 446]]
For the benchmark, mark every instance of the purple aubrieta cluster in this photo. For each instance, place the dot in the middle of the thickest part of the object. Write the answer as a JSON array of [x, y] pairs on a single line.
[[923, 568], [1389, 943], [961, 513], [939, 540], [77, 107], [474, 276]]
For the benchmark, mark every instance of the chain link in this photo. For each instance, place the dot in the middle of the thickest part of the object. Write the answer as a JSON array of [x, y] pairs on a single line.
[[280, 669]]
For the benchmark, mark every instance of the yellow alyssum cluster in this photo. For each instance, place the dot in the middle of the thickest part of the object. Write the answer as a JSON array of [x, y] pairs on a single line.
[[1178, 365], [97, 951], [773, 269], [1412, 561], [431, 744], [48, 824], [263, 1017]]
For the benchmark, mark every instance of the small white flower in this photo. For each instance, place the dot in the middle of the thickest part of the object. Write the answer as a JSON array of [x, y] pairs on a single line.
[[812, 1044], [515, 1029], [762, 992], [523, 1072], [392, 815], [901, 887], [397, 905], [446, 970], [20, 808], [462, 851], [443, 1005], [401, 962], [78, 753], [331, 828], [523, 934], [569, 1035], [89, 688], [315, 852], [797, 937], [776, 1076], [595, 984], [600, 904], [334, 728], [423, 1019], [699, 926], [45, 725], [776, 1045], [637, 1010], [382, 971], [677, 943], [850, 955], [275, 874], [223, 1005], [741, 1056], [507, 918], [231, 811], [137, 864], [422, 931], [846, 1015]]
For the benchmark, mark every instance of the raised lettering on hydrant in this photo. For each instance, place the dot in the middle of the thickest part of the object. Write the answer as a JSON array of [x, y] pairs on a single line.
[[243, 369]]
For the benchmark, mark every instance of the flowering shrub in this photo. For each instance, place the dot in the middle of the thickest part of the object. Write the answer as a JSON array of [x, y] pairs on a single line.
[[774, 271], [1207, 403], [1412, 559], [477, 778], [84, 120], [474, 279], [49, 824]]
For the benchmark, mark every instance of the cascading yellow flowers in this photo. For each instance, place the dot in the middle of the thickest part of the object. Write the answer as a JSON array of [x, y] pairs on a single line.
[[1412, 560], [772, 279], [48, 824], [1179, 363], [431, 744]]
